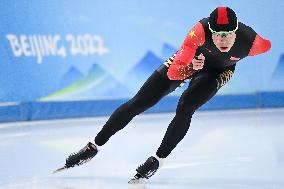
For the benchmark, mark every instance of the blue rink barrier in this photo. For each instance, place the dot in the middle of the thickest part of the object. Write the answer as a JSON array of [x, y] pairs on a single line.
[[27, 111]]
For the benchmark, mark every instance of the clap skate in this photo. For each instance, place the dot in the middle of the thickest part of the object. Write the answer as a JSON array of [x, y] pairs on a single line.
[[145, 171], [80, 157]]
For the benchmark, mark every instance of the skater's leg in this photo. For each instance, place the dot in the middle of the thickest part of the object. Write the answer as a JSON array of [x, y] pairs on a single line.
[[202, 87], [149, 94]]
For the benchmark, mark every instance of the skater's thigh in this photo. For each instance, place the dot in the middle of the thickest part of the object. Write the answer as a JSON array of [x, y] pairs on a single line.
[[201, 88], [205, 84], [154, 87]]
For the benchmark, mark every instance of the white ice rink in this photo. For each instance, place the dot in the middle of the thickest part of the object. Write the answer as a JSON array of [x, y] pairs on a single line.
[[223, 149]]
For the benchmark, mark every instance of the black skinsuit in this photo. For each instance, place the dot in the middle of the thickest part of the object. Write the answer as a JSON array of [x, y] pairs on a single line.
[[217, 71]]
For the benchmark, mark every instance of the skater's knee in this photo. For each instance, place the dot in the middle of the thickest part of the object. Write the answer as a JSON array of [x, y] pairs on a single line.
[[135, 106], [185, 108], [133, 103]]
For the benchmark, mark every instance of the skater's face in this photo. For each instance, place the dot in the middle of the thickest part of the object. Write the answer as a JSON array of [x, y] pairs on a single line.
[[224, 42]]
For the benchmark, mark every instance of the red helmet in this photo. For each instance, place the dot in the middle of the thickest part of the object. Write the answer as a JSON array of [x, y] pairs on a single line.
[[223, 19]]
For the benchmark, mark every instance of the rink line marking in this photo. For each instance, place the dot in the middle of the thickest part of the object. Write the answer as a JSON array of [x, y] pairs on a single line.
[[16, 135], [72, 121]]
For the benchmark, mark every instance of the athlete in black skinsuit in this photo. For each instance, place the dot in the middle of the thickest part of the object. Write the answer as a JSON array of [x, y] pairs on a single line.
[[222, 41]]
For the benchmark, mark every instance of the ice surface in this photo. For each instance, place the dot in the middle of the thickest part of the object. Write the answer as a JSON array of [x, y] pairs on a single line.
[[223, 149]]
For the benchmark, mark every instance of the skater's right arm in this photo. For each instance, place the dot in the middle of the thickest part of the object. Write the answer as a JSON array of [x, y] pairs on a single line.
[[179, 69]]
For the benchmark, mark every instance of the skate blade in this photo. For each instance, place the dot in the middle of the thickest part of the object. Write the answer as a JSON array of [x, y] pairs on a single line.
[[59, 170]]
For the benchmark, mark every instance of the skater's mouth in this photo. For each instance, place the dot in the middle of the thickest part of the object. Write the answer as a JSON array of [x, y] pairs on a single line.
[[224, 48]]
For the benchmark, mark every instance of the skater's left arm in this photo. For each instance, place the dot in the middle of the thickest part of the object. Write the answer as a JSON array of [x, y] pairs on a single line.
[[179, 69], [259, 46]]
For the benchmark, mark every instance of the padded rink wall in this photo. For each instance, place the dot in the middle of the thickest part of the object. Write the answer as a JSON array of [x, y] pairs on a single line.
[[28, 111]]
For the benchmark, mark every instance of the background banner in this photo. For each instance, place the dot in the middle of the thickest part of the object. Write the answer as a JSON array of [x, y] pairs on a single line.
[[71, 50]]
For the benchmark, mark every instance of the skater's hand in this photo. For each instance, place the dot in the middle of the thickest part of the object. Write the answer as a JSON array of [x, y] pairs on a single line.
[[198, 62]]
